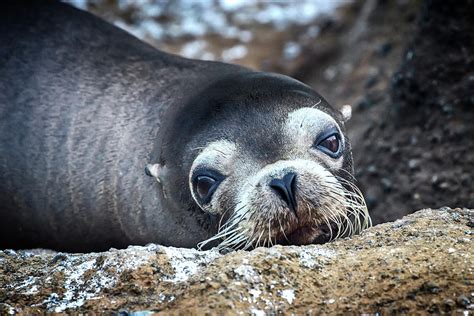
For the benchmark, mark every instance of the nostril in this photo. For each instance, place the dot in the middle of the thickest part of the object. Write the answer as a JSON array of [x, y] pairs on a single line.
[[285, 188], [279, 187], [289, 180]]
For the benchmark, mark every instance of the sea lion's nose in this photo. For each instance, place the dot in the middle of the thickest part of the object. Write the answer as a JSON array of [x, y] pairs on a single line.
[[285, 188]]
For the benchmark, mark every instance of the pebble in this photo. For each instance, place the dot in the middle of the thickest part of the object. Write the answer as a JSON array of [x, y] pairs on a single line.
[[9, 252], [383, 49], [456, 217], [413, 163], [470, 222], [448, 109], [411, 296], [58, 257], [444, 185], [433, 309], [363, 103], [371, 169], [449, 304], [430, 287], [386, 184], [466, 179], [463, 301], [371, 81]]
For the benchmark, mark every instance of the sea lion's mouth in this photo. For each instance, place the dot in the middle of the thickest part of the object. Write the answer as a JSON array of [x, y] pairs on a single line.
[[309, 234], [302, 235]]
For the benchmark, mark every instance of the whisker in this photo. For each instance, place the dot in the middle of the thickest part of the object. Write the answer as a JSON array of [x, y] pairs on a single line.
[[282, 230]]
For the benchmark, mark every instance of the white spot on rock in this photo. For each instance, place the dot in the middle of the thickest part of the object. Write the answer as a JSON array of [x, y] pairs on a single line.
[[309, 256], [257, 312], [187, 262], [79, 289], [247, 273], [289, 295]]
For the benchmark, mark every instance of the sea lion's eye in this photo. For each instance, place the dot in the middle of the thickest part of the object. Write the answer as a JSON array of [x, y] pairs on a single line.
[[204, 185], [330, 145]]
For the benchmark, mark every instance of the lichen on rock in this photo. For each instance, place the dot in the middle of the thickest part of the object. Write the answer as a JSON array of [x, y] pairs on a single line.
[[421, 263]]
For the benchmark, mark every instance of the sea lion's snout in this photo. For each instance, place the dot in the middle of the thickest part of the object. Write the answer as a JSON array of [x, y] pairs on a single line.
[[294, 202], [293, 206]]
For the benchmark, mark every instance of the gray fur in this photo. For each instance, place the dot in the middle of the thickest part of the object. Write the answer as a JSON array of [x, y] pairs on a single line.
[[84, 107], [81, 103]]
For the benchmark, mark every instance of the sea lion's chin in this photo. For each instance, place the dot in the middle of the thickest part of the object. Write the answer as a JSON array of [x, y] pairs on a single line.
[[306, 234], [310, 231], [306, 227]]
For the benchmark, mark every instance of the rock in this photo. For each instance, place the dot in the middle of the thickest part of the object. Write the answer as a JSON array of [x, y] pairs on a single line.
[[449, 304], [363, 103], [372, 169], [399, 267], [430, 287], [413, 163], [383, 49], [463, 301], [386, 184], [470, 222], [371, 80], [370, 200]]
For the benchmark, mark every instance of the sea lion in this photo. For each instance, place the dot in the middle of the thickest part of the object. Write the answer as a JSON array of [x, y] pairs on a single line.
[[231, 156]]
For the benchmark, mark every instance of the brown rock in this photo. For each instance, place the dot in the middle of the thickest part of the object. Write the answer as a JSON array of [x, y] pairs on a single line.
[[405, 259]]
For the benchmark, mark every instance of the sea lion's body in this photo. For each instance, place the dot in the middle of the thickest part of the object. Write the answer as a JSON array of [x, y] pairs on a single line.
[[81, 105], [84, 107]]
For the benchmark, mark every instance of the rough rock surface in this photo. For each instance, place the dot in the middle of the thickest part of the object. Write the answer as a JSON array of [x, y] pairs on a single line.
[[421, 263]]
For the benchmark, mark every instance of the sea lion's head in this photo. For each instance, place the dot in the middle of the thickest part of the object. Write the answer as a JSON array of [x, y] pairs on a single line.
[[269, 160]]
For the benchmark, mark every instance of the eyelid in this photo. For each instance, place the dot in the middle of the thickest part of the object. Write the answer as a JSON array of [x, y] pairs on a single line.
[[216, 175]]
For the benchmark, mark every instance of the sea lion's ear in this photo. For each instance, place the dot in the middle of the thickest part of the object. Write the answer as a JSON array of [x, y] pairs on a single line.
[[153, 170], [346, 111]]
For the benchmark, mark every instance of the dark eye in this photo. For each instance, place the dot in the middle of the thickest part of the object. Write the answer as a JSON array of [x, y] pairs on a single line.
[[204, 184], [331, 145]]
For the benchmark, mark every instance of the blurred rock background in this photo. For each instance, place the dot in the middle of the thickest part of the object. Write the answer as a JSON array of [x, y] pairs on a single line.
[[405, 66], [262, 35]]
